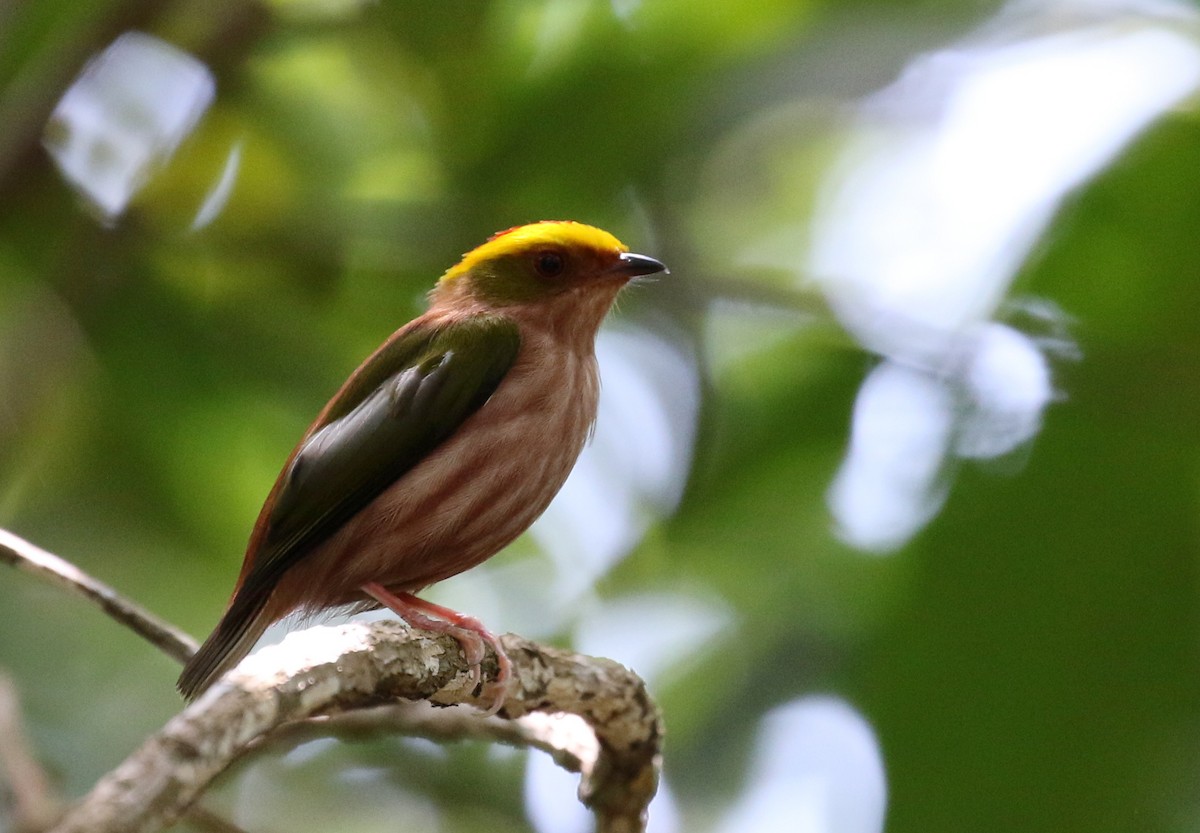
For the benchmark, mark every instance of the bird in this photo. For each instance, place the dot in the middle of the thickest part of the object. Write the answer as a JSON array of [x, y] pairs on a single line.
[[439, 450]]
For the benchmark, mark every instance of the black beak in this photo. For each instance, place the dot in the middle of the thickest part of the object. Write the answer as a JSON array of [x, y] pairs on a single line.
[[636, 265]]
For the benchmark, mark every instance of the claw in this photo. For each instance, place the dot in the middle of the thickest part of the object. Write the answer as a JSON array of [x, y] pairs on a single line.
[[466, 630], [497, 689]]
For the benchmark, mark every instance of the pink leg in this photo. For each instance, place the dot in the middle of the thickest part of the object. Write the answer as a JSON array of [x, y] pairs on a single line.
[[470, 633]]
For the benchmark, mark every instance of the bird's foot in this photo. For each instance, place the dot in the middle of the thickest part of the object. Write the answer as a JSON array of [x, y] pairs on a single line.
[[468, 631]]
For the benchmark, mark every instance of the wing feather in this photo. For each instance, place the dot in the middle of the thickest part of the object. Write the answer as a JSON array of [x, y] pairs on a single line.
[[354, 457], [410, 396]]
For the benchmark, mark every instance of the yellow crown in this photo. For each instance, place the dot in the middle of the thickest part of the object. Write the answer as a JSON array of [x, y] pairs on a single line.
[[566, 233]]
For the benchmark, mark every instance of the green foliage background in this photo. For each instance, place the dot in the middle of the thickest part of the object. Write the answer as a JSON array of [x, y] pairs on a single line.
[[1029, 662]]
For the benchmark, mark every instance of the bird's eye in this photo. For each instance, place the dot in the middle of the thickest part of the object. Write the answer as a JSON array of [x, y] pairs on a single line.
[[549, 264]]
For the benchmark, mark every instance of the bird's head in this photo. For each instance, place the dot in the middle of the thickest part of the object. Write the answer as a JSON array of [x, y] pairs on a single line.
[[545, 260]]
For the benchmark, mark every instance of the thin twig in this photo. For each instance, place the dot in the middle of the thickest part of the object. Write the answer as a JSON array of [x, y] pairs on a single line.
[[34, 803], [46, 565]]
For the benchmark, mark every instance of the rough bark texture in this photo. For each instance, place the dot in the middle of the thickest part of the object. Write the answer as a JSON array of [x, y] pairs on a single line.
[[324, 671]]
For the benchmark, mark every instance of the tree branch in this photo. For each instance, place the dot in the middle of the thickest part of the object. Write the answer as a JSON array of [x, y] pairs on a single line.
[[325, 671], [565, 738], [66, 576], [592, 716]]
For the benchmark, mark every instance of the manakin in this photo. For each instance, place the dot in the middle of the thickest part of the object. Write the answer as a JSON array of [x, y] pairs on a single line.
[[440, 449]]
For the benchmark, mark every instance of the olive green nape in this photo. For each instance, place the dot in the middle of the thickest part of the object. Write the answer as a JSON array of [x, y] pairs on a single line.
[[506, 280]]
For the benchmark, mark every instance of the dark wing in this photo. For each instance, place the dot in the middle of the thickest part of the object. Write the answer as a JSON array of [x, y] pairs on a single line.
[[405, 400], [372, 434]]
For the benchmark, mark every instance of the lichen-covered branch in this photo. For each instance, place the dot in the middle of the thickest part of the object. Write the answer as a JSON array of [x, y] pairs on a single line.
[[592, 715], [325, 671]]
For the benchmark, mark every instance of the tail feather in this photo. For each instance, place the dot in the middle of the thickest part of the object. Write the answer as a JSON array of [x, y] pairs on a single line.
[[234, 636]]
